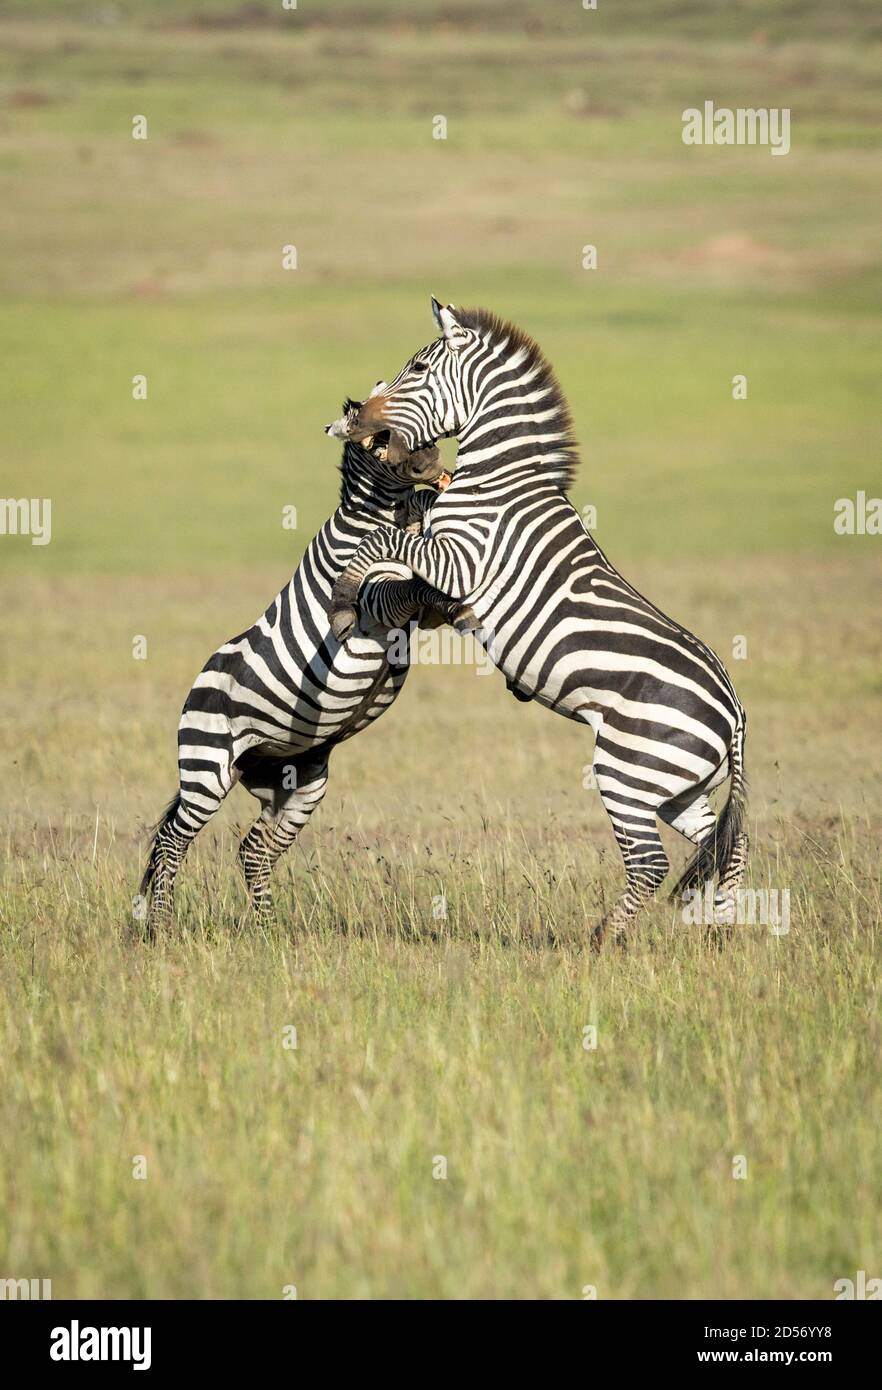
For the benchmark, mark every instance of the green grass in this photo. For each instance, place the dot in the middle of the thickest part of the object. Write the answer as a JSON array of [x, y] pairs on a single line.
[[314, 1167], [421, 1036]]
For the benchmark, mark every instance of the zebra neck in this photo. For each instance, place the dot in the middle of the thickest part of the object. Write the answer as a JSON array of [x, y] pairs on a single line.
[[511, 448], [370, 493], [365, 506]]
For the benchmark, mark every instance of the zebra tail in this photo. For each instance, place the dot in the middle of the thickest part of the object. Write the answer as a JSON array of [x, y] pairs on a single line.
[[165, 819], [713, 856]]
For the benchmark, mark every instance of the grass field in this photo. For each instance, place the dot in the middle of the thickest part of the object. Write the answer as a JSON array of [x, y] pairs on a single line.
[[419, 1036]]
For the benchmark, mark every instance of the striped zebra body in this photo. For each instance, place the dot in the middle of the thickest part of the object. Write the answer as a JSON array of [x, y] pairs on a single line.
[[270, 705], [554, 614]]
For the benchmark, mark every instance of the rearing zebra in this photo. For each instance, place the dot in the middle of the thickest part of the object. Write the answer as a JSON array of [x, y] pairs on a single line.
[[271, 705], [563, 625]]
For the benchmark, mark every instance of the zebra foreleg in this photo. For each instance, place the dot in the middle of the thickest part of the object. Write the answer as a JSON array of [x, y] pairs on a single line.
[[438, 609], [290, 792], [449, 569], [343, 609], [394, 602]]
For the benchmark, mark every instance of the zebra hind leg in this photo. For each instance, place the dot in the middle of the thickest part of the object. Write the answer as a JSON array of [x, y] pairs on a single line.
[[171, 845], [204, 783], [729, 886], [734, 842], [722, 847], [289, 792], [691, 814], [646, 866], [174, 834]]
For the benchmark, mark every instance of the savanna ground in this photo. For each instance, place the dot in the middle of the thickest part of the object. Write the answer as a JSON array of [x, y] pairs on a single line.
[[422, 1036]]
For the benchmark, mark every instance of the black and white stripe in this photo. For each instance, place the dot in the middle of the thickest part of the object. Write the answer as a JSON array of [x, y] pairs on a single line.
[[559, 620], [270, 705]]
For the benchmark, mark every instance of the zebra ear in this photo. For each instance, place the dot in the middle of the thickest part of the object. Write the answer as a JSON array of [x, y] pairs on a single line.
[[455, 335], [436, 312]]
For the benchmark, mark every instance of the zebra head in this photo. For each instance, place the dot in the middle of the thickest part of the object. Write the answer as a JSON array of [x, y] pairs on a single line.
[[418, 466], [429, 397]]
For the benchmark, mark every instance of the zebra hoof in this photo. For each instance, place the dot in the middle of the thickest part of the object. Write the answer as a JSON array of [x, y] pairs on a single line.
[[465, 620], [343, 621]]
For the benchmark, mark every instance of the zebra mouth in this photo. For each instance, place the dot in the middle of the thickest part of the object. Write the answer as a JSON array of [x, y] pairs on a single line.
[[380, 440], [421, 465], [377, 444]]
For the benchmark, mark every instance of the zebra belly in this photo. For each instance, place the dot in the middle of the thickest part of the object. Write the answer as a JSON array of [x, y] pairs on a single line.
[[285, 687], [246, 699], [563, 664]]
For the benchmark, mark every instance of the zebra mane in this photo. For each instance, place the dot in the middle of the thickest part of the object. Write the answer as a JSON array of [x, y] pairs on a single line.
[[563, 462]]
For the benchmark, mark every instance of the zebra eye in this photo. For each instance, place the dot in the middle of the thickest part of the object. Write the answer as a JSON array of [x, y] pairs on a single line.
[[419, 366]]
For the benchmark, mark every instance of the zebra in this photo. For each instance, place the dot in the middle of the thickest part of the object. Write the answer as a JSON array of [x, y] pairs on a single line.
[[552, 611], [270, 705]]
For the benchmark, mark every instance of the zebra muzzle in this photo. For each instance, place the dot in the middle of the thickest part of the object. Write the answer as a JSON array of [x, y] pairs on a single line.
[[417, 465]]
